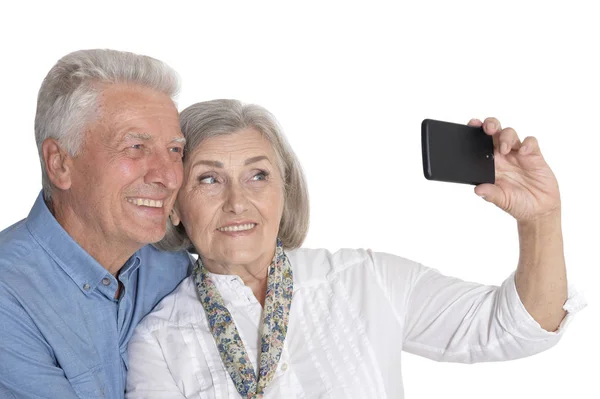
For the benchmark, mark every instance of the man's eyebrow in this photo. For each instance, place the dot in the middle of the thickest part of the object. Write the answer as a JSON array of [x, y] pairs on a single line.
[[139, 136], [255, 159], [147, 137]]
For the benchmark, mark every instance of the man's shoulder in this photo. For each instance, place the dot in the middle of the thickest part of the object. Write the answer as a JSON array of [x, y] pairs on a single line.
[[160, 272], [151, 251], [155, 259], [22, 265], [16, 245]]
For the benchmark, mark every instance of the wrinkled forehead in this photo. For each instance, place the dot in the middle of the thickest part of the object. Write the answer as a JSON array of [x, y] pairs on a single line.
[[122, 102], [233, 148], [137, 110]]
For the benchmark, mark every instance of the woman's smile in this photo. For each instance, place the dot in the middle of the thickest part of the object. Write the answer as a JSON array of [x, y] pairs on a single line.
[[238, 229]]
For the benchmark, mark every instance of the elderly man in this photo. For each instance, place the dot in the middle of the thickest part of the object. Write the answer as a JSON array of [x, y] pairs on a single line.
[[77, 273]]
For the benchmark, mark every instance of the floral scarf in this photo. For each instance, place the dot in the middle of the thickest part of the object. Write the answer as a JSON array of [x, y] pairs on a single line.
[[278, 300]]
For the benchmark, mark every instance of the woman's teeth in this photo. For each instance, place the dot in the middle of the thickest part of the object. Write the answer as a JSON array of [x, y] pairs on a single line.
[[238, 227]]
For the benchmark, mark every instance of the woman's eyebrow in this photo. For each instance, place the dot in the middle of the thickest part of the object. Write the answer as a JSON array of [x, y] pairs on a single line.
[[255, 159], [215, 164]]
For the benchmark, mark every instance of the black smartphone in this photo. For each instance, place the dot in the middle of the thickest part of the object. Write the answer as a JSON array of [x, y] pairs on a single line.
[[457, 153]]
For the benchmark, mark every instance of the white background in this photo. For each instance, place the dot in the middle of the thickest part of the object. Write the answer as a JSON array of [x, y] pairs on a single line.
[[350, 83]]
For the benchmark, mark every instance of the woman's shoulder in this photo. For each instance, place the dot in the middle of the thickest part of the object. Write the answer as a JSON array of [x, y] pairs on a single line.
[[324, 258], [178, 307], [321, 264]]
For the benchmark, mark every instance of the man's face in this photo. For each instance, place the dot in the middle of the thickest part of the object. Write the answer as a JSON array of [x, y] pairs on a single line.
[[126, 177]]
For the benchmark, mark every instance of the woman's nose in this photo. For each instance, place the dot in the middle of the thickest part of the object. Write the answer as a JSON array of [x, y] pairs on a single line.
[[235, 201]]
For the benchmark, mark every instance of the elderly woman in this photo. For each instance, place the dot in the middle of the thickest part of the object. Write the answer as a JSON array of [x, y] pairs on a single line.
[[261, 317]]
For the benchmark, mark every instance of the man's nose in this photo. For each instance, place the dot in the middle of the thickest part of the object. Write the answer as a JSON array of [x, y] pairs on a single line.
[[164, 169]]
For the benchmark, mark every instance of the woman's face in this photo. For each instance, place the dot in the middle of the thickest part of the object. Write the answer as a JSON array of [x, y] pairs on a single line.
[[231, 200]]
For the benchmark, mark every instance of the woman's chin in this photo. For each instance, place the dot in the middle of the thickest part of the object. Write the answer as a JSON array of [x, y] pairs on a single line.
[[246, 255]]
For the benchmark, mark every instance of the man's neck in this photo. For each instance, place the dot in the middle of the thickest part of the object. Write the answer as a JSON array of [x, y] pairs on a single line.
[[110, 255]]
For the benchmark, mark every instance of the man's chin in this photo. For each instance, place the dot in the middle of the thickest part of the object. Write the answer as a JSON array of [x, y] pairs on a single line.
[[150, 235]]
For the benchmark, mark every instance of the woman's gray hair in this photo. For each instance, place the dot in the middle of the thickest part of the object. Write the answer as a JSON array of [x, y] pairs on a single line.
[[204, 120], [68, 97]]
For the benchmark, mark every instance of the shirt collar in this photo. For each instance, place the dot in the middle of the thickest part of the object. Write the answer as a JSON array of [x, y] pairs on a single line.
[[80, 266]]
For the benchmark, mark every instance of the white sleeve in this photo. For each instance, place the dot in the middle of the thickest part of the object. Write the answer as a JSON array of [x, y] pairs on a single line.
[[447, 319], [148, 375]]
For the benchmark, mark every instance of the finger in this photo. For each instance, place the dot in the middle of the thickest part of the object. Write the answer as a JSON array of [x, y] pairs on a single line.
[[508, 140], [491, 193], [530, 146], [475, 122], [491, 126]]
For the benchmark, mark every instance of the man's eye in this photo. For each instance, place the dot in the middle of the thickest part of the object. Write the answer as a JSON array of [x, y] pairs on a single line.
[[178, 151], [137, 146], [207, 180]]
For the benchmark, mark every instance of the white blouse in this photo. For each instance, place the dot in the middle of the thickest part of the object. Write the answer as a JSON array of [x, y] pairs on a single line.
[[353, 313]]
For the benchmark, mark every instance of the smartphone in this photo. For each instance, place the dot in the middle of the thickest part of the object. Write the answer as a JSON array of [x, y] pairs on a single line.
[[457, 153]]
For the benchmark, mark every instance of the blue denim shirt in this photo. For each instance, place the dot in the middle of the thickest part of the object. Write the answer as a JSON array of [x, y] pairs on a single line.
[[62, 333]]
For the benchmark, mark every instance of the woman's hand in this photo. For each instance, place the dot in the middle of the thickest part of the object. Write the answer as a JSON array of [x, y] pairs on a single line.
[[527, 189], [525, 186]]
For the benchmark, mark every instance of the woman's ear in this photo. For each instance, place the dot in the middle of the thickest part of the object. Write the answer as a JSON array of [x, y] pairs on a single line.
[[174, 216], [58, 164]]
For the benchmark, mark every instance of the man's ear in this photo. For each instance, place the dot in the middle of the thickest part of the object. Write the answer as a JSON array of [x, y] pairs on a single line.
[[58, 164], [174, 216]]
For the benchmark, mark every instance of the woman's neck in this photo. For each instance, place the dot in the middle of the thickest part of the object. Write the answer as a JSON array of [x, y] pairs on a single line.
[[254, 275]]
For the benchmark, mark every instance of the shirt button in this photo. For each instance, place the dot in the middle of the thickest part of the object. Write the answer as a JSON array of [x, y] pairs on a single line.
[[86, 286], [106, 281], [284, 367]]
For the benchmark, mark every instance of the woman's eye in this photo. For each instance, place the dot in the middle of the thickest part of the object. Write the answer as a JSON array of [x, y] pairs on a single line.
[[208, 180], [260, 176]]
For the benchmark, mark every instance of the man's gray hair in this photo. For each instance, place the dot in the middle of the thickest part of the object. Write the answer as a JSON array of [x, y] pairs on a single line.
[[68, 97], [204, 120]]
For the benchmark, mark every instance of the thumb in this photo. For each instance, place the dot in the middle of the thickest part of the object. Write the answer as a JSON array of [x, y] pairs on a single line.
[[491, 193]]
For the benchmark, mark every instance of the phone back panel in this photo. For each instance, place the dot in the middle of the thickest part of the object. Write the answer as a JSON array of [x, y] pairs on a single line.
[[457, 153]]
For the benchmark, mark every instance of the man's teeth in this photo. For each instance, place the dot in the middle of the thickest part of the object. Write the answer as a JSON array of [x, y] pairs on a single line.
[[146, 202], [239, 227]]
